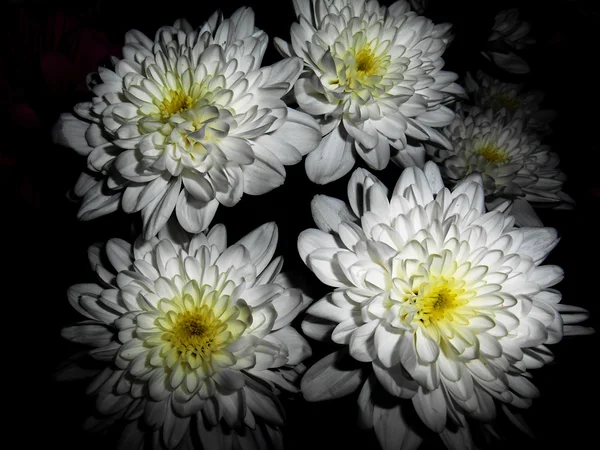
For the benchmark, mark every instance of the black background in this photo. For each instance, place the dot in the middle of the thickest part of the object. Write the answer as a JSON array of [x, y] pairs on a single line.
[[44, 245]]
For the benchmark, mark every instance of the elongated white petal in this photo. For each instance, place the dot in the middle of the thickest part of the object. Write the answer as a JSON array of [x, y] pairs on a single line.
[[538, 242], [98, 201], [329, 212], [298, 348], [261, 244], [311, 240], [318, 329], [332, 159], [431, 408], [265, 173], [70, 131], [193, 215], [392, 429], [158, 211], [299, 130], [329, 379]]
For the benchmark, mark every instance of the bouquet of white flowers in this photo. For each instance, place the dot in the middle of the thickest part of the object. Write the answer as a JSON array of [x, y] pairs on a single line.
[[346, 217]]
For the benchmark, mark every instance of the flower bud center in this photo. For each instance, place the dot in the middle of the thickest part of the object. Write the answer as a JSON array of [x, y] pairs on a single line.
[[175, 102], [492, 154], [437, 300]]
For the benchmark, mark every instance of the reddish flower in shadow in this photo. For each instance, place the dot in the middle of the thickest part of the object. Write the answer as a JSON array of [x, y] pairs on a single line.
[[47, 57]]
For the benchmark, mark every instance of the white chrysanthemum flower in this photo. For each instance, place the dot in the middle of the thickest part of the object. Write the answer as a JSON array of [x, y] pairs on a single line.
[[512, 161], [508, 33], [373, 79], [187, 122], [196, 335], [448, 304], [488, 92]]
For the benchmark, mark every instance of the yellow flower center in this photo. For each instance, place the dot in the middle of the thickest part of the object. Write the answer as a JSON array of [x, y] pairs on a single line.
[[366, 63], [361, 68], [492, 154], [198, 325], [437, 300], [194, 331], [174, 103]]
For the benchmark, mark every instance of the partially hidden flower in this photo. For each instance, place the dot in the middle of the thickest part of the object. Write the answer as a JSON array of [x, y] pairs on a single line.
[[373, 80], [512, 160], [448, 307], [46, 61], [509, 33], [419, 6], [187, 122], [195, 336], [487, 92], [43, 62]]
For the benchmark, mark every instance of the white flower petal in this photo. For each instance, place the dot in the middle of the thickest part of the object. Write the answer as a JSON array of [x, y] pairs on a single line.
[[332, 159], [98, 201], [288, 305], [509, 62], [300, 130], [362, 342], [325, 309], [538, 242], [412, 176], [263, 403], [297, 346], [88, 333], [277, 144], [330, 378], [265, 173], [321, 263], [328, 212], [431, 408], [459, 439], [193, 215], [119, 254], [524, 214], [158, 211], [311, 240], [377, 157], [316, 328], [261, 244], [70, 131], [410, 155], [392, 429]]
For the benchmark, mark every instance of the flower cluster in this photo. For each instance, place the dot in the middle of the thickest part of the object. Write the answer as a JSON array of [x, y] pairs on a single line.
[[437, 306]]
